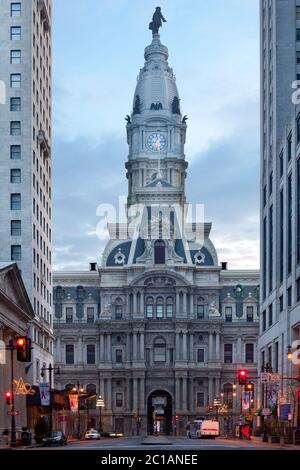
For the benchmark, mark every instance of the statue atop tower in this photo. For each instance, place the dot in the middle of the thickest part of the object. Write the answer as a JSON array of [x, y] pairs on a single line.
[[156, 22]]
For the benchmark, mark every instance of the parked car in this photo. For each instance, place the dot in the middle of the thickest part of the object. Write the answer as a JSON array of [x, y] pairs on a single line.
[[92, 434], [55, 438]]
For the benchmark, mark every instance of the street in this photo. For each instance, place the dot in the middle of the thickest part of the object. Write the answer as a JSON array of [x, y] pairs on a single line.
[[170, 443]]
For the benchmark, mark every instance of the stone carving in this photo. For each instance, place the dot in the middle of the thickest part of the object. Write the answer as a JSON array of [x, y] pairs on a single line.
[[199, 258], [161, 281], [184, 119], [128, 119], [106, 312], [171, 249], [156, 22], [119, 257], [137, 105], [148, 249], [213, 312], [175, 105], [156, 106]]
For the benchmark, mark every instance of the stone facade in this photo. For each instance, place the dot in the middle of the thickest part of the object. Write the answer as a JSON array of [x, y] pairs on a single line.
[[160, 329], [15, 317]]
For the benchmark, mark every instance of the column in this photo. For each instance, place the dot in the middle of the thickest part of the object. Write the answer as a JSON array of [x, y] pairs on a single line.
[[80, 351], [239, 349], [191, 305], [218, 386], [108, 397], [142, 395], [177, 394], [184, 393], [108, 345], [184, 303], [177, 305], [142, 346], [134, 346], [127, 313], [135, 395], [128, 347], [128, 397], [218, 346], [210, 346], [142, 306], [184, 347], [192, 402], [191, 347], [134, 304], [58, 349], [177, 347], [102, 391], [210, 391], [101, 347]]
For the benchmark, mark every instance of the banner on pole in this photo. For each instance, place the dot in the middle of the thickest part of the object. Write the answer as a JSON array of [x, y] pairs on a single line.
[[73, 402], [45, 393]]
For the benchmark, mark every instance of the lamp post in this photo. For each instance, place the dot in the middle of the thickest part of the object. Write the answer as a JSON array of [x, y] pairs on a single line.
[[55, 370], [100, 404], [217, 403], [80, 391]]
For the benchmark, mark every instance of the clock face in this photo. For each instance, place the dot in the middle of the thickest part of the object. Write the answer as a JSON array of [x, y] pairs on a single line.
[[156, 142]]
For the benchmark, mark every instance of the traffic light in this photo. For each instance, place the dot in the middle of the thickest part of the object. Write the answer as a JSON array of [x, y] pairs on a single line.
[[242, 377], [8, 398], [23, 349], [176, 417]]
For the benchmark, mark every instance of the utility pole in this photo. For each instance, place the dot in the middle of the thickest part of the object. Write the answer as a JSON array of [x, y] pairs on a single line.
[[13, 437]]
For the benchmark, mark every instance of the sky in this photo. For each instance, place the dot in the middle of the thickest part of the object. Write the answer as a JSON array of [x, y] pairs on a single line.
[[98, 49]]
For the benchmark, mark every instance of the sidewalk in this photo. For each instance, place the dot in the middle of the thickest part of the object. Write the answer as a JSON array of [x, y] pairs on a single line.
[[256, 441]]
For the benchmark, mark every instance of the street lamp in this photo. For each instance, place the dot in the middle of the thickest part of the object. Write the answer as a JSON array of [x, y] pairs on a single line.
[[289, 353], [55, 370], [80, 391], [100, 404], [217, 403]]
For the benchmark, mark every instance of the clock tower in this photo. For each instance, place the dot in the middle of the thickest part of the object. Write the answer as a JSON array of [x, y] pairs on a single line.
[[156, 133]]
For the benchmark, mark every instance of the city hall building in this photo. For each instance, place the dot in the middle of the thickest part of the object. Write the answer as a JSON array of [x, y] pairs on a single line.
[[160, 329]]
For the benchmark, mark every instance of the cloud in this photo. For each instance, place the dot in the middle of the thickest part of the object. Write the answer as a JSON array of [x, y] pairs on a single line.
[[216, 62]]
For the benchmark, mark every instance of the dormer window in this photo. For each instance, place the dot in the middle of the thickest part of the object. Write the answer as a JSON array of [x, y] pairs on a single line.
[[160, 252]]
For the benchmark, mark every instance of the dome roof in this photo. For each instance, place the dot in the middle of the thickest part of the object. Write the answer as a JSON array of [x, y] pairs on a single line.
[[156, 84]]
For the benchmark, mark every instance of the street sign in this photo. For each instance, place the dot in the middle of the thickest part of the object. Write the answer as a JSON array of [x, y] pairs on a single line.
[[266, 412], [13, 413], [264, 377], [275, 378]]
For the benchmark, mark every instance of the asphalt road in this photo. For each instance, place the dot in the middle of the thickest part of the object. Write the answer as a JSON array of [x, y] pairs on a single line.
[[175, 443]]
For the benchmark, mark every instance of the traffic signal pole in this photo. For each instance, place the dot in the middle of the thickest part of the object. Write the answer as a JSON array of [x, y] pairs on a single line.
[[13, 436]]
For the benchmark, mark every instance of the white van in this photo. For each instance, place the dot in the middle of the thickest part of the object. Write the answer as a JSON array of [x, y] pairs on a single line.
[[203, 429]]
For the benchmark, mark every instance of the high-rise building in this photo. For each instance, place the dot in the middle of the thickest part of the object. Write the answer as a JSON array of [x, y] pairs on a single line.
[[161, 329], [280, 196], [25, 160]]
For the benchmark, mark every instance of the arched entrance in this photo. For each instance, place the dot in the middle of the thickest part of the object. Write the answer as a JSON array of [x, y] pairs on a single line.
[[159, 410]]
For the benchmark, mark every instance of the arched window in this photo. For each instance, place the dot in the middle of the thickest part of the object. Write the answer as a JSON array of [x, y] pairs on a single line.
[[170, 307], [159, 307], [159, 350], [159, 252], [149, 307]]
